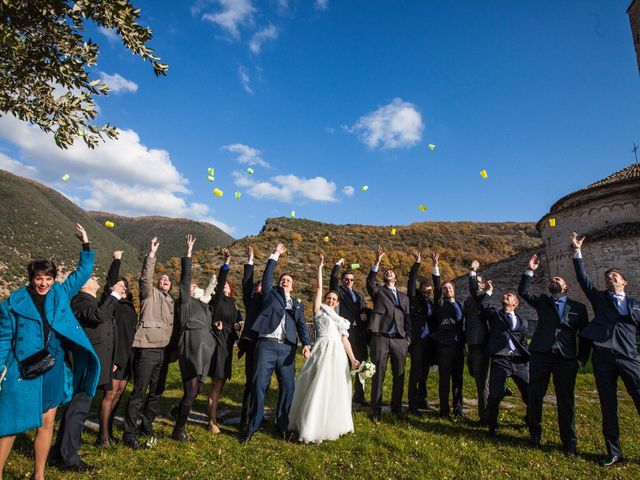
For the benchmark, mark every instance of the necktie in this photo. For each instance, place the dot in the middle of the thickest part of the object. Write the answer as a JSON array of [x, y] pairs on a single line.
[[353, 296], [458, 311], [559, 307], [512, 326], [395, 294]]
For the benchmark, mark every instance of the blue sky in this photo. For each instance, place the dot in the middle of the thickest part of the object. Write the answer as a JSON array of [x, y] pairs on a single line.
[[319, 96]]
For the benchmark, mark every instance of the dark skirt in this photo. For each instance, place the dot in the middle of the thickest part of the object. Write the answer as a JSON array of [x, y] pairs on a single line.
[[221, 360], [196, 348], [125, 372], [53, 380]]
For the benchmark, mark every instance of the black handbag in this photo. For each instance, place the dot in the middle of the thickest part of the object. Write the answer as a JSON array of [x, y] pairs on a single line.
[[37, 364]]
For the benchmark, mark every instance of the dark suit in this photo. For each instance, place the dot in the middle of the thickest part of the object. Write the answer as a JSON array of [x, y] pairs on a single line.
[[275, 355], [351, 310], [252, 307], [390, 327], [618, 359], [422, 348], [450, 340], [554, 352], [505, 362], [476, 332]]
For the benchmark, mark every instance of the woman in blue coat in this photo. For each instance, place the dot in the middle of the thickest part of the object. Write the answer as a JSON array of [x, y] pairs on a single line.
[[28, 317]]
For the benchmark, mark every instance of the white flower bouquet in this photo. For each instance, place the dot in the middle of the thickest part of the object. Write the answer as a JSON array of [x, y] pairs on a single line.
[[365, 371]]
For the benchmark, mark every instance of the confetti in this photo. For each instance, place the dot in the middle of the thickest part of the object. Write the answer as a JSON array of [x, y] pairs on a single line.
[[293, 213], [355, 266], [109, 224], [552, 222], [66, 177], [483, 174], [422, 208], [210, 171], [393, 231], [250, 171], [217, 192], [326, 239], [431, 146], [364, 188], [237, 195], [82, 133], [210, 178]]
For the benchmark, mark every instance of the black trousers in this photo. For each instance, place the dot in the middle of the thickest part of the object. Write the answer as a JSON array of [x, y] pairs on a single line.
[[502, 368], [419, 372], [359, 345], [249, 370], [478, 365], [607, 367], [564, 371], [450, 371], [150, 367], [69, 437], [384, 348]]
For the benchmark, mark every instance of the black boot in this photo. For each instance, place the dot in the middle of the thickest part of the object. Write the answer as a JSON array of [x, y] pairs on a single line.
[[182, 415]]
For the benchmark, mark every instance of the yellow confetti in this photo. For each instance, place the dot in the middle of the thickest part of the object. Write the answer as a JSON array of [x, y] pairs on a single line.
[[431, 146], [217, 192], [66, 177], [210, 171], [109, 224], [552, 222], [364, 188], [210, 178], [250, 171], [326, 239], [483, 174], [82, 133], [237, 195], [355, 266], [423, 208], [293, 213], [393, 231]]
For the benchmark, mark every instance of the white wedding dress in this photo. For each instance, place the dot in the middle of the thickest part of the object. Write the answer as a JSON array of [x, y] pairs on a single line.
[[321, 407]]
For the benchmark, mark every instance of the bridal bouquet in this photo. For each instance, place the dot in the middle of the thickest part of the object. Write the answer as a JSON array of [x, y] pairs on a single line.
[[365, 370]]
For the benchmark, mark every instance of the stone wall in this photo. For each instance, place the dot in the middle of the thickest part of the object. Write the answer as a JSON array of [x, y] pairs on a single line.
[[634, 19]]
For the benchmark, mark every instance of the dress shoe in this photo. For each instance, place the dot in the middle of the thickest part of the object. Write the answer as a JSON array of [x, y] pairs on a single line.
[[147, 432], [361, 401], [246, 437], [81, 466], [134, 444], [508, 392], [459, 415], [534, 442], [570, 452], [181, 436], [415, 412], [611, 460], [376, 417], [492, 432], [400, 415]]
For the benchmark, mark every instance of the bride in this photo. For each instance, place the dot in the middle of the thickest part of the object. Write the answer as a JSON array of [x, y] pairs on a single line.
[[321, 407]]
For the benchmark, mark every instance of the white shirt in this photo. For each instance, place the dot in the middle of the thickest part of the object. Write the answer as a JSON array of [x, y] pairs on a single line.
[[280, 332]]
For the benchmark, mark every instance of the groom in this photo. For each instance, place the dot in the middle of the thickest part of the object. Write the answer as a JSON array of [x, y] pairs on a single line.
[[276, 326]]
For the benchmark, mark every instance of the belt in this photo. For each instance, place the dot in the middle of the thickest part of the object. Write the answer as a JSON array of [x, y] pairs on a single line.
[[272, 339]]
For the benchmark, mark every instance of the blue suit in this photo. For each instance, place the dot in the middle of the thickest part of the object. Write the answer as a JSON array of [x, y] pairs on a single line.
[[21, 400], [275, 356]]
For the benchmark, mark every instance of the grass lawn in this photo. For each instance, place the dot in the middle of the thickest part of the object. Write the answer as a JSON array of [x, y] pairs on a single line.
[[429, 447]]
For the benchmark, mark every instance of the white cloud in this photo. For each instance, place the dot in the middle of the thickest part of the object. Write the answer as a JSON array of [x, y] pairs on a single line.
[[286, 188], [348, 190], [233, 14], [395, 125], [246, 154], [245, 80], [119, 84], [110, 33], [121, 176], [268, 33], [321, 4]]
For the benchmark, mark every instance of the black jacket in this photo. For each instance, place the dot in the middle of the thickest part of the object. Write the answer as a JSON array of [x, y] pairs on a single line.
[[96, 318], [421, 308], [385, 311], [450, 329], [192, 314], [476, 330], [253, 303], [348, 308], [608, 323], [551, 328], [499, 328], [125, 319]]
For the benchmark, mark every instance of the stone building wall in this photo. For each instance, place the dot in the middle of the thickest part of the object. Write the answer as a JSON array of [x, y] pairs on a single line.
[[634, 19]]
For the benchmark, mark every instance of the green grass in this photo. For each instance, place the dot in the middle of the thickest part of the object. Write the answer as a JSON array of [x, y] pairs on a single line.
[[424, 448]]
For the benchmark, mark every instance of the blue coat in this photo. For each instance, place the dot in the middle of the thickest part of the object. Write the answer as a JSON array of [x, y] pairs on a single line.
[[274, 308], [21, 400]]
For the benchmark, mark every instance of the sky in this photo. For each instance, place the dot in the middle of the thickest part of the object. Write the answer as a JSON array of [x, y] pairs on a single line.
[[323, 97]]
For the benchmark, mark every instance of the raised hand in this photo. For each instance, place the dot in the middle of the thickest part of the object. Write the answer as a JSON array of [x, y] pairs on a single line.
[[250, 253], [280, 249], [417, 255], [489, 289], [190, 241], [435, 257], [534, 263], [379, 254], [321, 260], [340, 262], [154, 246], [576, 243], [226, 254], [117, 255], [217, 325], [475, 265], [81, 233]]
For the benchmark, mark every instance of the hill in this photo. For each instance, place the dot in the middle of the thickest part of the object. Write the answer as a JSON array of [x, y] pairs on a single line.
[[38, 222], [171, 232]]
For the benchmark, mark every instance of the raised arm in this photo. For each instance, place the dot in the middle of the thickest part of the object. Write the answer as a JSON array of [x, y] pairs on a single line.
[[372, 288], [208, 292], [318, 300], [437, 281], [267, 275], [186, 271], [334, 280], [95, 313], [148, 267], [581, 272], [114, 269], [413, 275], [474, 286], [222, 276], [247, 278], [525, 283], [74, 282]]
